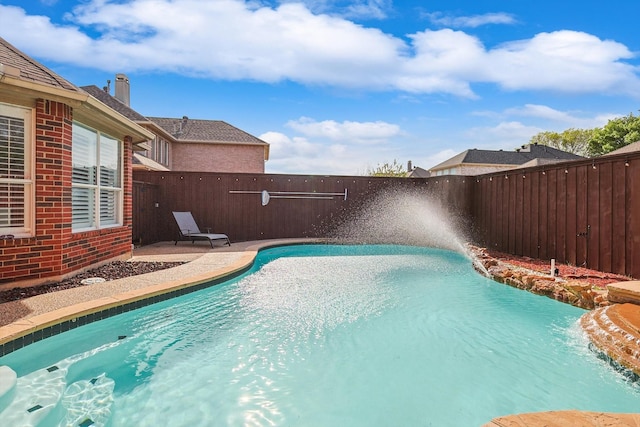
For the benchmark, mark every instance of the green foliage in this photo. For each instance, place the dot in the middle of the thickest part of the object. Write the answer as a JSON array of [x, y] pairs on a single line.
[[394, 169], [572, 140], [615, 134]]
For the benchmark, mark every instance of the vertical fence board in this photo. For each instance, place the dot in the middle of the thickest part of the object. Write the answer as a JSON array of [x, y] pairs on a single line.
[[552, 213], [594, 214], [633, 220], [518, 208], [543, 225], [619, 219], [605, 185], [535, 217], [527, 218], [512, 185], [582, 225], [561, 185], [572, 209]]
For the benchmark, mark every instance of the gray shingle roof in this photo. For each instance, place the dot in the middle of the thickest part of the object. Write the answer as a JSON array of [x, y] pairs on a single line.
[[499, 157], [31, 70], [196, 130], [112, 102]]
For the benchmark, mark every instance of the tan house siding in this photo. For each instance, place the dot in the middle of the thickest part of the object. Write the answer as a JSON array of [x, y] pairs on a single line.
[[193, 157], [482, 169]]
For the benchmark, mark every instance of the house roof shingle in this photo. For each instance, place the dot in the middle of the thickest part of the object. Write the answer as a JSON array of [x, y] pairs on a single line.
[[204, 131], [113, 103], [31, 70], [500, 157]]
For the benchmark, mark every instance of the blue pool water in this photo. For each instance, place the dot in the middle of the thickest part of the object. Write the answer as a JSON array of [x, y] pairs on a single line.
[[328, 336]]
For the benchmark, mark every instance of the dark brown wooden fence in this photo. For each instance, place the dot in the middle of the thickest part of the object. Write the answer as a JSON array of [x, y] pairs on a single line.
[[231, 203], [584, 213]]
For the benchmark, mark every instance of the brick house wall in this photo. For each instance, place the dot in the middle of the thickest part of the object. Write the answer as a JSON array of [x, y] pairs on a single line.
[[194, 157], [55, 251]]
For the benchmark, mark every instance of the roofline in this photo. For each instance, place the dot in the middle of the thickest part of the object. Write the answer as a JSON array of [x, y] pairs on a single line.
[[474, 165], [157, 130], [30, 90]]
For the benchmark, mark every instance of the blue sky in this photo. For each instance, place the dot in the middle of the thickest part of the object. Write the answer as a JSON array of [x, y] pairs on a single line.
[[339, 86]]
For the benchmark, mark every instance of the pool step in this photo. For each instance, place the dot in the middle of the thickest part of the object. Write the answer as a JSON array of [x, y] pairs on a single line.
[[42, 397], [8, 380], [35, 395], [610, 330]]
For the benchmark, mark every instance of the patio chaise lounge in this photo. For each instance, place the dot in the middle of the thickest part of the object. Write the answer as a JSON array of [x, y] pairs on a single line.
[[189, 230]]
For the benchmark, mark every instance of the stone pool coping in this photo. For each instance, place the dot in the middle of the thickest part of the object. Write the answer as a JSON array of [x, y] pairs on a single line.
[[44, 315]]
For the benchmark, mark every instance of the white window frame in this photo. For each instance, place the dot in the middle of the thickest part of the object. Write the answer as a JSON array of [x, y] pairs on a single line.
[[26, 227], [95, 187]]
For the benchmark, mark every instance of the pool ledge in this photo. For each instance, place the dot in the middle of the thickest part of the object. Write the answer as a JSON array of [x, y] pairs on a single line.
[[567, 418], [45, 315]]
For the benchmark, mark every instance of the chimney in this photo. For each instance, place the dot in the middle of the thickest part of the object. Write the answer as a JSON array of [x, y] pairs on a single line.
[[409, 166], [122, 89]]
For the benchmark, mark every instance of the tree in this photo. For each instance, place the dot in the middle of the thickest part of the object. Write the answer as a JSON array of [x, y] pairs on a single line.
[[572, 140], [388, 169], [615, 134]]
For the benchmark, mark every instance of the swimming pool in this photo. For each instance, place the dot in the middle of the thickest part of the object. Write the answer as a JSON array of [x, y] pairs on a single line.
[[323, 335]]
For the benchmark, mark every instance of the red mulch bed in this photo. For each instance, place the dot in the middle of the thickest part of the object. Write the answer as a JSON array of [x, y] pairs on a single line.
[[594, 277]]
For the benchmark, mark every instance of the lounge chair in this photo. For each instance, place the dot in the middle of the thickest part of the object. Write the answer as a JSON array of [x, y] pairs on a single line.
[[189, 230]]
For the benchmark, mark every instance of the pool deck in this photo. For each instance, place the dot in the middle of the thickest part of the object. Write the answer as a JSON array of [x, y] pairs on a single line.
[[203, 263]]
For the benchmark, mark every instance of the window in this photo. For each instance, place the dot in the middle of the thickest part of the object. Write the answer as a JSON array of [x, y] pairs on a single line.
[[96, 191], [16, 171], [159, 151]]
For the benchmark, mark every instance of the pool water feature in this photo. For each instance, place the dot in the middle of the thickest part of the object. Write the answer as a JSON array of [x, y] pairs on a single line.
[[325, 335]]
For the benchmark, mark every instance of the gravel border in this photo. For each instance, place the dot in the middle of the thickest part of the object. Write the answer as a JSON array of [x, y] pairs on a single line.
[[111, 271]]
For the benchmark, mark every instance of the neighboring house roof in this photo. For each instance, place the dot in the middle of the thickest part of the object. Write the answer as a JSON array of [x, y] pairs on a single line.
[[28, 69], [205, 131], [507, 158], [181, 130], [418, 172], [634, 146], [104, 97]]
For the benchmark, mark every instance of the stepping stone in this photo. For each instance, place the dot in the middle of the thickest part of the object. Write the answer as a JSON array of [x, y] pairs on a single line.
[[621, 292]]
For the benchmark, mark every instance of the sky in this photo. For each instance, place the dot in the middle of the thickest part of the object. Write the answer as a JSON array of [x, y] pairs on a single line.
[[342, 87]]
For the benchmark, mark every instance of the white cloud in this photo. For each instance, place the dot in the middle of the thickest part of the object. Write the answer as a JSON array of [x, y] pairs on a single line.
[[299, 155], [348, 131], [290, 42], [563, 60], [359, 9], [473, 21], [376, 9], [329, 147], [563, 119]]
